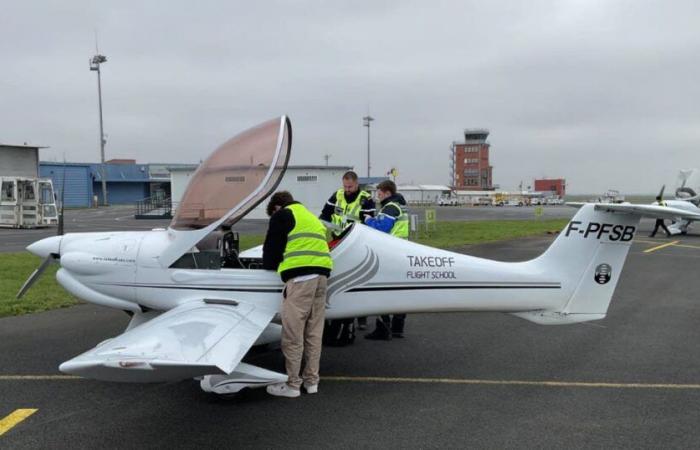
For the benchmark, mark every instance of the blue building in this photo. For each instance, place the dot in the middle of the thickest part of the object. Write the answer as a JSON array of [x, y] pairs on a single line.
[[78, 181], [127, 182]]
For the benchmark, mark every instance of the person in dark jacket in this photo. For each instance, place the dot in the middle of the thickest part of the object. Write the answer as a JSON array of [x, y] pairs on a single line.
[[295, 246], [660, 222], [392, 218]]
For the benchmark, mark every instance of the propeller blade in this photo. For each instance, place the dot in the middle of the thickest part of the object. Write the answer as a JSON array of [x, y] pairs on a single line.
[[661, 193], [35, 276], [59, 228]]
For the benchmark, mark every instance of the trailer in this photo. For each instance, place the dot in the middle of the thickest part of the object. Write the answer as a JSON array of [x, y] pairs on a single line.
[[27, 202]]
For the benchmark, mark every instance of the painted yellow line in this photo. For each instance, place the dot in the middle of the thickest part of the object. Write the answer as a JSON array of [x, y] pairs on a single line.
[[38, 377], [688, 246], [575, 384], [472, 381], [13, 419], [643, 241], [659, 247]]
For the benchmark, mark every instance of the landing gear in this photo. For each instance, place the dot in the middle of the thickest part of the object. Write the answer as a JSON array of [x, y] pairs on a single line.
[[244, 376]]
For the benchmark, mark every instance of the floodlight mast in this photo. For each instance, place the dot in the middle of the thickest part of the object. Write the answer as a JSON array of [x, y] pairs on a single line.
[[95, 63], [367, 120]]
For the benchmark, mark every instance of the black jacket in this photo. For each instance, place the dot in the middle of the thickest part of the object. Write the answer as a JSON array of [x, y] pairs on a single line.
[[367, 207], [281, 224]]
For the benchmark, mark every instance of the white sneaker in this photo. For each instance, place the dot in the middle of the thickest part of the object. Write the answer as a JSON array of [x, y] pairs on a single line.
[[311, 388], [282, 390]]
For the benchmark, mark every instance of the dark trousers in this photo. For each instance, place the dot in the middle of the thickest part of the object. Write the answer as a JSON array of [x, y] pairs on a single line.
[[393, 323], [660, 223]]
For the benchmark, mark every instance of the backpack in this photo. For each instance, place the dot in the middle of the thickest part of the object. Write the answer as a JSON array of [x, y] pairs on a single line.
[[339, 332]]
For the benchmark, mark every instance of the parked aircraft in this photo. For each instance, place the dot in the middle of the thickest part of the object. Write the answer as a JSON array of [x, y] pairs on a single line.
[[686, 199], [197, 306]]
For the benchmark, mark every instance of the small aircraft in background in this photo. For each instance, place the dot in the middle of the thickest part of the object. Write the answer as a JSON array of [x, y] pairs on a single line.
[[198, 305], [687, 198]]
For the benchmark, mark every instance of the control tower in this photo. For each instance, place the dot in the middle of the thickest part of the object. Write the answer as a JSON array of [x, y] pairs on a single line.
[[469, 162]]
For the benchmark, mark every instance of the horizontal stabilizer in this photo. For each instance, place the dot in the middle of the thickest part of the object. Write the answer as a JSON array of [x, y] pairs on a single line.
[[194, 339]]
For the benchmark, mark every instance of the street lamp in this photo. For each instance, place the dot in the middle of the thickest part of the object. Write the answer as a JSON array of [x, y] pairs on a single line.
[[95, 66], [367, 120]]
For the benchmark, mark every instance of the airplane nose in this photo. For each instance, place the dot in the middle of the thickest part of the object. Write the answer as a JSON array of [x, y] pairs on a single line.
[[45, 247]]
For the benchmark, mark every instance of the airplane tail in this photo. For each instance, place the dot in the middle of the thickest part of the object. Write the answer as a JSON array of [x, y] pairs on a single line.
[[588, 256]]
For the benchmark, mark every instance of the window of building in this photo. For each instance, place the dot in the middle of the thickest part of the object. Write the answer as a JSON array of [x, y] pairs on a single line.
[[8, 191], [307, 178]]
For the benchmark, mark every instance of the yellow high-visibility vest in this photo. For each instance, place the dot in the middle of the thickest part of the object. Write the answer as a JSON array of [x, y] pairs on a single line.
[[346, 213], [400, 228], [306, 243]]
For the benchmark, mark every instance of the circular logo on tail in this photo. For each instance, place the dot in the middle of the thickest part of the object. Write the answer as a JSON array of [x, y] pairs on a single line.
[[602, 273]]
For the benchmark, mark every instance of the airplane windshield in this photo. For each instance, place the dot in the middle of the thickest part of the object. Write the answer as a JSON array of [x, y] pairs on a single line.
[[236, 177]]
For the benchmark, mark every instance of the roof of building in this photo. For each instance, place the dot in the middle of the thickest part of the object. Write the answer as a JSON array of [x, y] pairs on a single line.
[[25, 145], [423, 187], [435, 187], [371, 180]]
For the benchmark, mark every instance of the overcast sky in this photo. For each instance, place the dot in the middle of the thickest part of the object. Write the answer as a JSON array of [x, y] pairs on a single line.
[[603, 93]]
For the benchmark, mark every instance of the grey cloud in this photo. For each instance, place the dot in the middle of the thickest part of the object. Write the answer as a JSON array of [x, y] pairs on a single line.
[[602, 93]]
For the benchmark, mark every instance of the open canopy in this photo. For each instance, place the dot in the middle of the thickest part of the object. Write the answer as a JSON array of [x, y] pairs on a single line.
[[236, 177]]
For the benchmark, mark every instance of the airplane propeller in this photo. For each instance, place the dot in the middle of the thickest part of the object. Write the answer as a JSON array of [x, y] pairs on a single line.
[[661, 192], [52, 257], [35, 275]]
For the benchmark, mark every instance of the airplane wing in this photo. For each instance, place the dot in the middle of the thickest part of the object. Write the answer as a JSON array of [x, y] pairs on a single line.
[[653, 211], [198, 338]]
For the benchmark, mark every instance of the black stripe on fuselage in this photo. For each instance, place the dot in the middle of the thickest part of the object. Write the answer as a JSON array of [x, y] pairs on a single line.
[[357, 289], [471, 286], [199, 288]]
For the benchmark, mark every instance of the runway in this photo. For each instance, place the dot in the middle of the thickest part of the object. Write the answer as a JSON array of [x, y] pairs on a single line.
[[456, 380]]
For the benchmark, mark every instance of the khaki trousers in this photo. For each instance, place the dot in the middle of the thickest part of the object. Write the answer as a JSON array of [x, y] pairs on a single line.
[[303, 314]]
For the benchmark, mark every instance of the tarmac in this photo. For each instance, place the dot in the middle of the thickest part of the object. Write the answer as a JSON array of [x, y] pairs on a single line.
[[457, 380]]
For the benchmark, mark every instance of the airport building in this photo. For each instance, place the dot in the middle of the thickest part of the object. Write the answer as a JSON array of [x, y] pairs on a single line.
[[127, 182], [19, 160], [423, 193], [469, 162], [557, 186]]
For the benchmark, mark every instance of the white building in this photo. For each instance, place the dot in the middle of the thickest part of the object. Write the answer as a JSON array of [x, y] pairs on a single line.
[[19, 160], [423, 193], [311, 185]]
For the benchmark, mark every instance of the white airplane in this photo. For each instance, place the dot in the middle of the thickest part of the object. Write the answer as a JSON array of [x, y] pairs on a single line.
[[198, 307], [686, 199]]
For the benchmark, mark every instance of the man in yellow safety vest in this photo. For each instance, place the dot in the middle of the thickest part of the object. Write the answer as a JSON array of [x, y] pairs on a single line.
[[393, 219], [348, 204], [295, 246]]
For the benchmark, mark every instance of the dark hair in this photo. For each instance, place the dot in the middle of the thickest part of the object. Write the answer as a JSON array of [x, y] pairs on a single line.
[[658, 197], [350, 175], [387, 186], [281, 199]]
